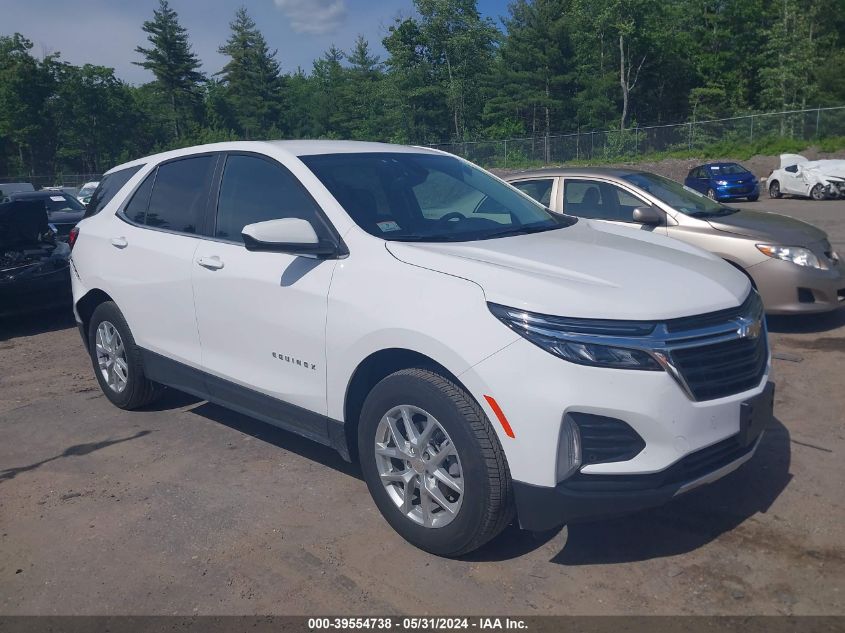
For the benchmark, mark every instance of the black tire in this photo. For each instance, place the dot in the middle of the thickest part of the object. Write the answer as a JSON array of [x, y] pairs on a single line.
[[487, 507], [712, 195], [774, 189], [139, 390], [753, 198], [817, 193]]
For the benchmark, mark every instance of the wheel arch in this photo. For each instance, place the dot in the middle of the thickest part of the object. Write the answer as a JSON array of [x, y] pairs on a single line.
[[85, 308], [369, 372]]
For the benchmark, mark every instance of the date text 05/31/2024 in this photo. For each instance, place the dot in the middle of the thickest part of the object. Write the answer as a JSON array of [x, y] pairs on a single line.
[[416, 624]]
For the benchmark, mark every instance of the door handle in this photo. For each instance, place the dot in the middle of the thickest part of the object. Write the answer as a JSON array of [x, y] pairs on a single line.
[[212, 263], [119, 242]]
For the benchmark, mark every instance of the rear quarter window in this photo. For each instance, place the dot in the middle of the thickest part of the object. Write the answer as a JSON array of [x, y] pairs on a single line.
[[108, 188]]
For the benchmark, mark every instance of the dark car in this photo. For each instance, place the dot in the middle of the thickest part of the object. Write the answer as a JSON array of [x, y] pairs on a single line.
[[723, 181], [34, 264], [63, 210]]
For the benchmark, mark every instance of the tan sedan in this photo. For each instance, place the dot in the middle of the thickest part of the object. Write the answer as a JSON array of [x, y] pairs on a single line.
[[790, 262]]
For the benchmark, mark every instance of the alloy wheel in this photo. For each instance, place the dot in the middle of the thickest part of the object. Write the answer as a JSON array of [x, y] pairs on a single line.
[[111, 357], [419, 466]]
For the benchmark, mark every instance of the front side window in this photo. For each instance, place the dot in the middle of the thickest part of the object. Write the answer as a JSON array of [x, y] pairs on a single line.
[[108, 188], [180, 193], [427, 197], [540, 189], [255, 190], [599, 200]]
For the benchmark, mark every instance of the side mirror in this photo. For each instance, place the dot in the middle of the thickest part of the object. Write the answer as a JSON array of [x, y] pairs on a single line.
[[647, 215], [288, 235]]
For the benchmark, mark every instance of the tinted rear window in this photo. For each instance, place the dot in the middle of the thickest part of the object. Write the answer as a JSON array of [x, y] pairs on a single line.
[[180, 194], [108, 188]]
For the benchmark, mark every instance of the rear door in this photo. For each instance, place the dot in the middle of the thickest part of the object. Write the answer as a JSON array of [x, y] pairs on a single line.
[[262, 315], [152, 254]]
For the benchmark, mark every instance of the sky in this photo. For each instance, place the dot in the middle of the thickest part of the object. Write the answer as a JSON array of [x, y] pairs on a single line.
[[106, 32]]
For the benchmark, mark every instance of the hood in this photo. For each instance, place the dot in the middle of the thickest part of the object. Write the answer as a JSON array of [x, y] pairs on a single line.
[[588, 271], [771, 227]]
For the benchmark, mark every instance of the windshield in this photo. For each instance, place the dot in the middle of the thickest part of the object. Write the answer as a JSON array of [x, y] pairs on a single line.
[[727, 169], [428, 198], [63, 202], [678, 196]]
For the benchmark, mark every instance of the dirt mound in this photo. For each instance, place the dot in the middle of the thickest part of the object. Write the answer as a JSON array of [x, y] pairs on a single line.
[[677, 168]]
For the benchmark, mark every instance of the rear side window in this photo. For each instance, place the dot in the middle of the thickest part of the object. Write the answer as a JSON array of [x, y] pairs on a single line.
[[255, 190], [108, 188], [136, 210], [179, 194], [540, 190]]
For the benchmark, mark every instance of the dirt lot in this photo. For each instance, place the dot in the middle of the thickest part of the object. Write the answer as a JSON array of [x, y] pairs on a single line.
[[186, 508]]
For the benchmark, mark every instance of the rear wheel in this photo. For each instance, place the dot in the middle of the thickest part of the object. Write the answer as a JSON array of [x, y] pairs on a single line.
[[817, 193], [774, 189], [117, 359], [433, 463]]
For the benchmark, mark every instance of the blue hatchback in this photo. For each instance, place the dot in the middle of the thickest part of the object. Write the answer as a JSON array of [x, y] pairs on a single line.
[[723, 181]]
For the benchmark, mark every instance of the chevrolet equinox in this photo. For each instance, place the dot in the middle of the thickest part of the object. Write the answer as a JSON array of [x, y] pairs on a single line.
[[482, 357]]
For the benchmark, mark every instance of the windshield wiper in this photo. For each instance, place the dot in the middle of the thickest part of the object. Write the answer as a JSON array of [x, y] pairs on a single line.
[[520, 230]]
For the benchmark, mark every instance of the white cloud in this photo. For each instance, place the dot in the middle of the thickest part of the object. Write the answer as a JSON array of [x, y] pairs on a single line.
[[316, 17]]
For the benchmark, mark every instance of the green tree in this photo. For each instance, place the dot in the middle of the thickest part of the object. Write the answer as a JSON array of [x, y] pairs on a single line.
[[251, 78], [366, 92], [27, 133], [533, 79], [174, 65]]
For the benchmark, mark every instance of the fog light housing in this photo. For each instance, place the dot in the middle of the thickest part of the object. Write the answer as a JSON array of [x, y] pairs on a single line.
[[568, 449]]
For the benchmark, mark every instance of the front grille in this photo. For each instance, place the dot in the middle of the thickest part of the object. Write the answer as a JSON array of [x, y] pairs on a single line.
[[723, 369], [692, 467], [721, 353]]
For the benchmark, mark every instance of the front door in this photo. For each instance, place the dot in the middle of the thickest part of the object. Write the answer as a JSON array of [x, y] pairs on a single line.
[[602, 200], [262, 315]]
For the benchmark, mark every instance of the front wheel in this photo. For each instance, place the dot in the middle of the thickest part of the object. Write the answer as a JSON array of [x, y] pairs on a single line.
[[753, 198], [774, 189], [817, 193], [711, 194], [433, 463]]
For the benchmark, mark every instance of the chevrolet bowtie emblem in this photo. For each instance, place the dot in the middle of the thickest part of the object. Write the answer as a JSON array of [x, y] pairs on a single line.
[[748, 328]]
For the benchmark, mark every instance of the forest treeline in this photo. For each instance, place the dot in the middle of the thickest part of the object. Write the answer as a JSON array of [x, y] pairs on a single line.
[[448, 74]]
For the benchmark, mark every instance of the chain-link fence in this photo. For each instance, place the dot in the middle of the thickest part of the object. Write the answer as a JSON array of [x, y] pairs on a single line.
[[804, 125], [57, 180]]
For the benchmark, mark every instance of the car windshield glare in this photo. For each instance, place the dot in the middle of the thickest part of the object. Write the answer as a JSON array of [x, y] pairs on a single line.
[[427, 197], [677, 196]]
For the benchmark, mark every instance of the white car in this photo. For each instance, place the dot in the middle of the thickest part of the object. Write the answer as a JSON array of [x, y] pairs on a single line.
[[87, 190], [482, 357], [816, 179]]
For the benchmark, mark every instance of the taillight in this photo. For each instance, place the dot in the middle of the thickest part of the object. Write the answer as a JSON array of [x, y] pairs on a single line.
[[71, 238]]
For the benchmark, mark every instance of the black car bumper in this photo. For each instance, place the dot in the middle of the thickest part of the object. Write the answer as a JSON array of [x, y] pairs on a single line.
[[585, 497], [35, 293]]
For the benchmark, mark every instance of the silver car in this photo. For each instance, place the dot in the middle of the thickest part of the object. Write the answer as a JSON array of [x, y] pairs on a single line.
[[791, 263]]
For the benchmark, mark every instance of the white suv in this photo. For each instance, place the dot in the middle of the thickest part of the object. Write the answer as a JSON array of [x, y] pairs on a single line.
[[482, 357]]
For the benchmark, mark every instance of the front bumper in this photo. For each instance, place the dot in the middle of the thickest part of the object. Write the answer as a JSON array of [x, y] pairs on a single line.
[[590, 497], [790, 289], [732, 192]]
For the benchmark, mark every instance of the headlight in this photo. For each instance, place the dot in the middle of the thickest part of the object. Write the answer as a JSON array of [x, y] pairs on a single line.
[[595, 342], [795, 254], [721, 182]]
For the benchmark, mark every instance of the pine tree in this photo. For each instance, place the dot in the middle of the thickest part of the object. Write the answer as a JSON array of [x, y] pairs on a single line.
[[175, 66], [251, 77]]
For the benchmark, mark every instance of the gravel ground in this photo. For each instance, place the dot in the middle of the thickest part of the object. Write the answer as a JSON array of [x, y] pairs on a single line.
[[187, 508]]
